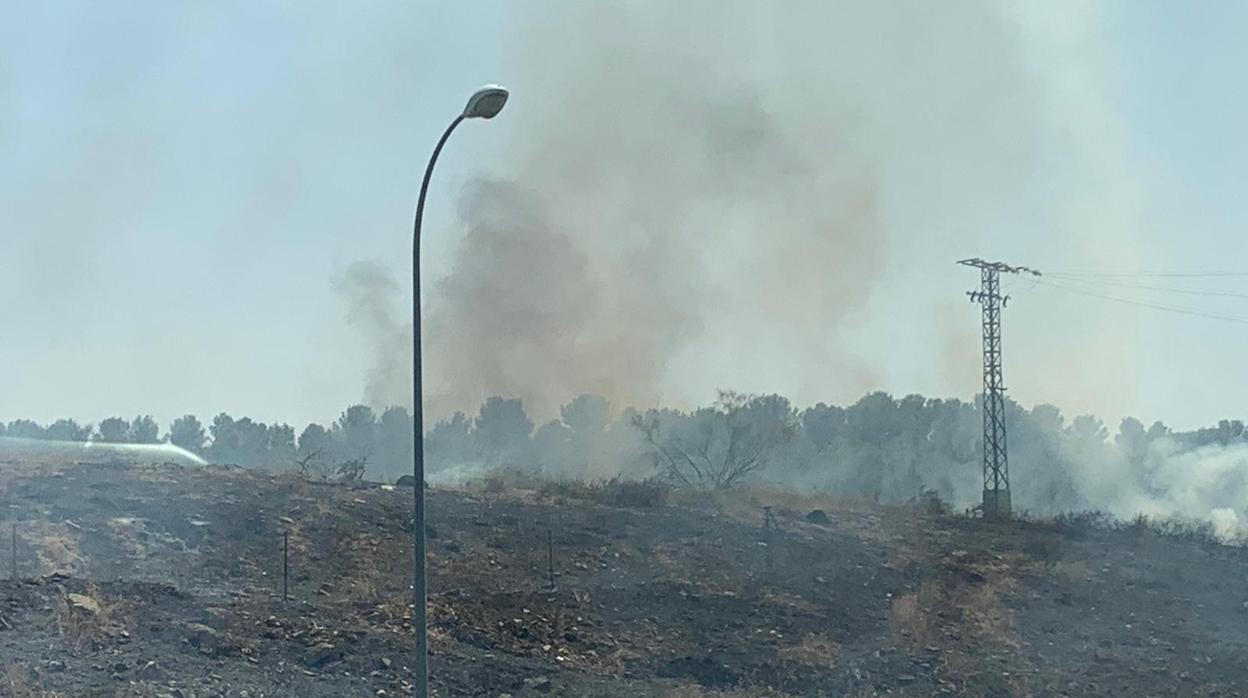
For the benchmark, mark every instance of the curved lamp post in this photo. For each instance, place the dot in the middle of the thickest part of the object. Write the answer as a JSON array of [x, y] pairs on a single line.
[[485, 103]]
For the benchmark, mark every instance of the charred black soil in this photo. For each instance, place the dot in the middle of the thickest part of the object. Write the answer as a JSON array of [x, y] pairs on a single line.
[[167, 581]]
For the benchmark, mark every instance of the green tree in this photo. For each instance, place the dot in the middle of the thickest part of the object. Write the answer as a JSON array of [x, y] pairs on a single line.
[[394, 442], [113, 430], [450, 443], [68, 430], [280, 447], [187, 432], [356, 432], [501, 431], [143, 430]]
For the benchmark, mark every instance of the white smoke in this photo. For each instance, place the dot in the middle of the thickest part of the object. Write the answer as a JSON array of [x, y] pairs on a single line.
[[1207, 483], [770, 197]]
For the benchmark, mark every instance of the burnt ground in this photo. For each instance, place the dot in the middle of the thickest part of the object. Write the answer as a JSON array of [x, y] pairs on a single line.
[[166, 581]]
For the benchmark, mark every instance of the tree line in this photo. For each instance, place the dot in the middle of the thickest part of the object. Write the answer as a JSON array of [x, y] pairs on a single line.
[[880, 447]]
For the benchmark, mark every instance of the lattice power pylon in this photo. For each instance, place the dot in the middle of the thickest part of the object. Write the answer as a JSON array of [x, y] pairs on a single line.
[[996, 459]]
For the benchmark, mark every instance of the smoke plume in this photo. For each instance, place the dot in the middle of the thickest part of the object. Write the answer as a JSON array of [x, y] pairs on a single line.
[[664, 200], [370, 293], [767, 197]]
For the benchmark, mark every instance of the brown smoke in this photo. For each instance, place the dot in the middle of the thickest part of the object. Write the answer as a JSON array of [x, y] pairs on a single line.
[[768, 197], [660, 198]]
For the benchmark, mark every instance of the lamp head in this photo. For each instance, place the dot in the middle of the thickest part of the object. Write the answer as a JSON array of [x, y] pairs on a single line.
[[486, 102]]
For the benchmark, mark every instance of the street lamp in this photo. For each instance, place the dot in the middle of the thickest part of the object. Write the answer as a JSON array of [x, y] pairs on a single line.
[[485, 103]]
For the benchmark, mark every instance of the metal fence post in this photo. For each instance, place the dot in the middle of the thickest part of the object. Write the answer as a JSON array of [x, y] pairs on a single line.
[[550, 548], [285, 566]]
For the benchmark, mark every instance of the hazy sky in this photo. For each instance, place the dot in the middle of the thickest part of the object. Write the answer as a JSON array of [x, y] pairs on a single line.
[[181, 183]]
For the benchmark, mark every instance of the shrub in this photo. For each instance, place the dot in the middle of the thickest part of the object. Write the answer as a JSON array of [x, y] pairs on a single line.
[[637, 494]]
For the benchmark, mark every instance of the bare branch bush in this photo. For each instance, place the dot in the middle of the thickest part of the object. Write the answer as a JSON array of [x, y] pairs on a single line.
[[717, 447], [352, 469], [305, 464]]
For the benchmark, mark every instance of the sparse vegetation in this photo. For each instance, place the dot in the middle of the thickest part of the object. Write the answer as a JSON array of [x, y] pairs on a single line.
[[816, 650], [56, 547], [692, 690], [352, 469], [87, 618], [913, 616], [656, 588], [879, 449], [638, 494], [18, 683], [1081, 524]]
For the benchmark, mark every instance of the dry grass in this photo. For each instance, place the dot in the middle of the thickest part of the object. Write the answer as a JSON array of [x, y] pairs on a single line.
[[15, 682], [789, 601], [374, 570], [913, 614], [965, 674], [815, 650], [79, 626], [649, 493], [56, 547], [916, 616], [799, 502], [971, 606], [893, 527], [139, 539], [692, 690], [986, 613], [1073, 570], [1043, 548]]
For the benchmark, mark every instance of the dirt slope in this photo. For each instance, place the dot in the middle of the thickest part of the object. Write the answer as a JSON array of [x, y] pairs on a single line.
[[166, 581]]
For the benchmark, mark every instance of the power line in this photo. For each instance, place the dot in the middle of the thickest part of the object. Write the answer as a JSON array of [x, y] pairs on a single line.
[[1153, 287], [1191, 274], [1145, 304], [1012, 285]]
